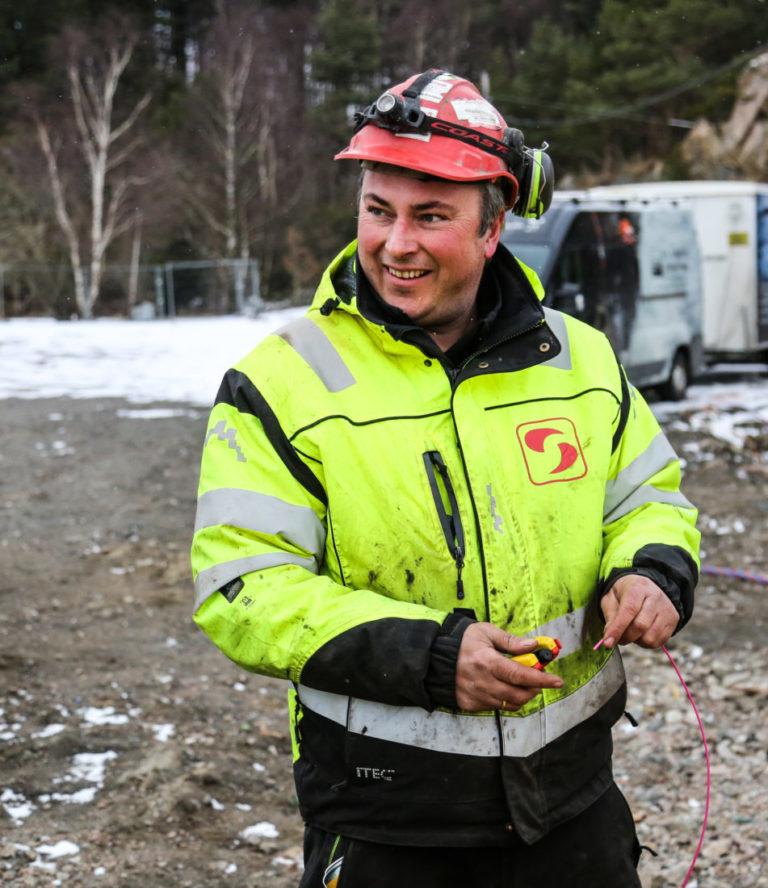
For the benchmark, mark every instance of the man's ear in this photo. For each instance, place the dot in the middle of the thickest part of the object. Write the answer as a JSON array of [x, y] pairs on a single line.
[[493, 234]]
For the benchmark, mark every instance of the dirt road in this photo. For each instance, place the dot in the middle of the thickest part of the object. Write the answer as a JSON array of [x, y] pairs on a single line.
[[133, 754]]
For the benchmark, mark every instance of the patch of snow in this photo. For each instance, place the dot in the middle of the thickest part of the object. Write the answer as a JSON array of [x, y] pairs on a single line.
[[16, 806], [63, 848], [261, 830], [93, 715], [90, 766], [49, 731], [156, 413], [180, 360], [163, 733]]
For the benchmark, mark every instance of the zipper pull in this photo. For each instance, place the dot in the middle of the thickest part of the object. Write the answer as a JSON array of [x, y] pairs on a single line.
[[459, 555]]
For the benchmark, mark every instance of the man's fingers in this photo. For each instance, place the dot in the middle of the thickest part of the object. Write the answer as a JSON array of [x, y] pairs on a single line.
[[637, 610], [486, 676], [620, 608]]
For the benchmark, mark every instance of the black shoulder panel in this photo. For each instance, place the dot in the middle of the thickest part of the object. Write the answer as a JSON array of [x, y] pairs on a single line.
[[239, 392]]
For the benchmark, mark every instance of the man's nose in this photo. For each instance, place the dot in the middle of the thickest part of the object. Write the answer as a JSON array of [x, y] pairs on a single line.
[[401, 238]]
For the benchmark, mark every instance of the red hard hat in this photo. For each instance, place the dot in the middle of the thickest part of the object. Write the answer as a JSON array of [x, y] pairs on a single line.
[[440, 124]]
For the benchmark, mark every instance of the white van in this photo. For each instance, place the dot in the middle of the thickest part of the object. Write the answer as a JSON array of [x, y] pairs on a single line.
[[731, 220], [629, 268]]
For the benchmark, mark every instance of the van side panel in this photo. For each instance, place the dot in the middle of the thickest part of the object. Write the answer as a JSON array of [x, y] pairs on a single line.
[[667, 315], [762, 267]]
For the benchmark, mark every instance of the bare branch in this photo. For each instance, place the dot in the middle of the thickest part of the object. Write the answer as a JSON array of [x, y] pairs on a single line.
[[59, 201], [82, 118], [131, 119]]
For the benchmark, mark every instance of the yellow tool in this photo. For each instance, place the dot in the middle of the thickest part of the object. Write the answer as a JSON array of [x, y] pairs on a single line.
[[548, 648]]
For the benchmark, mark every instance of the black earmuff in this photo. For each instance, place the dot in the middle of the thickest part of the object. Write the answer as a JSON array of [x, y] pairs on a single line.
[[535, 174]]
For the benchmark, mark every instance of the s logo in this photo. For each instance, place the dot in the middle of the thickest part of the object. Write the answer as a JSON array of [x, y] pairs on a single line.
[[552, 450]]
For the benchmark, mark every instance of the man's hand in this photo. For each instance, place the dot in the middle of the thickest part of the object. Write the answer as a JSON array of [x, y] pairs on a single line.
[[635, 609], [487, 679]]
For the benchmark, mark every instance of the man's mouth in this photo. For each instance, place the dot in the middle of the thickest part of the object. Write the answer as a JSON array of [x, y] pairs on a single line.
[[406, 274]]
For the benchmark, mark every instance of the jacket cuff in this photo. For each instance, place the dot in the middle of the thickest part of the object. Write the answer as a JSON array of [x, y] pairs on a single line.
[[671, 568], [440, 682]]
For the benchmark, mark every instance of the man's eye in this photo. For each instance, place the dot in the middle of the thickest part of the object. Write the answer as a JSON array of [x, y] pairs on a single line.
[[432, 217], [375, 211]]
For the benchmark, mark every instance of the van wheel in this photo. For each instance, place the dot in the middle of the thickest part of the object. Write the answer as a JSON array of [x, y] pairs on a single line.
[[675, 387]]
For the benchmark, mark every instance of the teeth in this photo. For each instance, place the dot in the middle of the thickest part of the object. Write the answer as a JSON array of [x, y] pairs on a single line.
[[407, 275]]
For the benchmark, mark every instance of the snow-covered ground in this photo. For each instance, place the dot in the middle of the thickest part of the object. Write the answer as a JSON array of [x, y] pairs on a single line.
[[142, 361], [183, 360]]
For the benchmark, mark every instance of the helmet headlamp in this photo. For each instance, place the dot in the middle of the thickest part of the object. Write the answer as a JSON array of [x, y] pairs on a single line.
[[392, 113]]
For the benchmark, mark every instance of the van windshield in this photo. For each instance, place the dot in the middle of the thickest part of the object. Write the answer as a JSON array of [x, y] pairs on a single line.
[[533, 240], [535, 256]]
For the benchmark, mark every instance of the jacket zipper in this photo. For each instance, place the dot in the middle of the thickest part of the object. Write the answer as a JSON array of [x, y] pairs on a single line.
[[493, 345], [453, 376], [447, 512]]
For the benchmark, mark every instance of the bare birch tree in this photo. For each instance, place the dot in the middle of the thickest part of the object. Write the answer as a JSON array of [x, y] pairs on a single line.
[[231, 126], [232, 175], [94, 67]]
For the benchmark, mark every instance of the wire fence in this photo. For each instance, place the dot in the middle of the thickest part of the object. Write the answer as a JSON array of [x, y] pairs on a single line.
[[218, 286]]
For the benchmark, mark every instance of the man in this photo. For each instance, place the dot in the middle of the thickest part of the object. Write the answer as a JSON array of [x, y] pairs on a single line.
[[404, 488]]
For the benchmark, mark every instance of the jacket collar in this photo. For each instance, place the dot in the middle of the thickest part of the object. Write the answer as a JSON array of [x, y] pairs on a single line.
[[506, 296]]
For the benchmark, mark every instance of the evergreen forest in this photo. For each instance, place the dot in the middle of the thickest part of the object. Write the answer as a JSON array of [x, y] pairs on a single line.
[[155, 131]]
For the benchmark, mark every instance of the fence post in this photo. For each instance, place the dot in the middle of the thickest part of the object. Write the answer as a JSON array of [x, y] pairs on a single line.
[[2, 291], [159, 295], [240, 268], [255, 281], [170, 297]]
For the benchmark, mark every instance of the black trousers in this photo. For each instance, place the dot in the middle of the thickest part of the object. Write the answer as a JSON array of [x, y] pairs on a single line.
[[597, 849]]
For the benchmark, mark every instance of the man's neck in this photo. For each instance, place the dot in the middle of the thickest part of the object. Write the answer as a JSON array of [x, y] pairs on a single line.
[[449, 334]]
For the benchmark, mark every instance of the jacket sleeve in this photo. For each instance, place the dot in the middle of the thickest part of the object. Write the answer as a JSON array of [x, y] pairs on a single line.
[[264, 593], [649, 527]]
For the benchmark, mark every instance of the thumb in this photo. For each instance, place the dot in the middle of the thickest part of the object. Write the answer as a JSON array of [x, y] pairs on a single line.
[[513, 644]]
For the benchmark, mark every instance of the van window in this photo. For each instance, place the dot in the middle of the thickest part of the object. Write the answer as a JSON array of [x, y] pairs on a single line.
[[597, 276], [577, 278]]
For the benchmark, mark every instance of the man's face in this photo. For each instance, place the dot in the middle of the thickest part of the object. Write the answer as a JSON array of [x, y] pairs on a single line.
[[419, 247]]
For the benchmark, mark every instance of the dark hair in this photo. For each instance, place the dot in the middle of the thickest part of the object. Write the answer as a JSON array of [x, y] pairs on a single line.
[[493, 197]]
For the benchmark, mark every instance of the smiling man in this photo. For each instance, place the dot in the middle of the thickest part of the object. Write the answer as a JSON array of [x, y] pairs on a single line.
[[421, 247], [430, 475]]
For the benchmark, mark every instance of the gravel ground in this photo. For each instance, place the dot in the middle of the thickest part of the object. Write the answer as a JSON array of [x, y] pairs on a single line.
[[134, 754]]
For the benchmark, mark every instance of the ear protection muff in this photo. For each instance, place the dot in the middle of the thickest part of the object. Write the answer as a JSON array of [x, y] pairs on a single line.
[[535, 174]]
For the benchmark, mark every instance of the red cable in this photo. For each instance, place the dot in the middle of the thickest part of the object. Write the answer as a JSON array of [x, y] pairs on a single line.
[[706, 755]]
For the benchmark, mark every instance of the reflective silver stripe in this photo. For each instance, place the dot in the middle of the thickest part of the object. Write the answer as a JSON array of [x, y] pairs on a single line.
[[523, 736], [556, 323], [213, 578], [468, 734], [262, 514], [318, 351], [572, 630], [647, 494], [656, 456], [411, 725]]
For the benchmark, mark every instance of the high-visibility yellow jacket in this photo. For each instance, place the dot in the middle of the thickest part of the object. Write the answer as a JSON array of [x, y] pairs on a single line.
[[361, 501]]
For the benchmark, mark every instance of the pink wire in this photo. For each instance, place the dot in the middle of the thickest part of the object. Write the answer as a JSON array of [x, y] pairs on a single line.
[[706, 755]]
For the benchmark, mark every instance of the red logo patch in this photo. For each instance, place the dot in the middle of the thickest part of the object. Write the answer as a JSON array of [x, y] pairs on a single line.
[[552, 450]]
